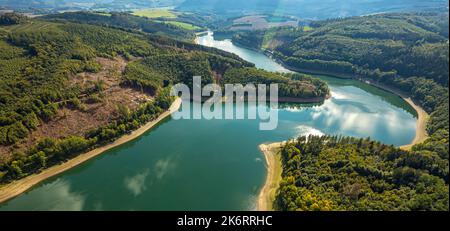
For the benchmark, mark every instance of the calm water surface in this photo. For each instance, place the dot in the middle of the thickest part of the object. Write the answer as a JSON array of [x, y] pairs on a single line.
[[215, 164]]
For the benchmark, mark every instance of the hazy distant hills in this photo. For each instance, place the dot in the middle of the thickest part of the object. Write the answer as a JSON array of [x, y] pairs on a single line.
[[314, 9], [310, 9], [86, 4], [50, 3]]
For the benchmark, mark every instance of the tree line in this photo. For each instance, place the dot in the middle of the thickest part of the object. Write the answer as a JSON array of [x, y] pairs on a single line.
[[289, 85], [126, 22], [333, 173]]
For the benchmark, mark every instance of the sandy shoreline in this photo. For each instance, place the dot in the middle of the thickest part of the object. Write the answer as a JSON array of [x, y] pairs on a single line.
[[421, 125], [274, 170], [422, 115], [20, 186]]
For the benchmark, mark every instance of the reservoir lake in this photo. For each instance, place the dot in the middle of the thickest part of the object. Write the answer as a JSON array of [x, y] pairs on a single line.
[[190, 165]]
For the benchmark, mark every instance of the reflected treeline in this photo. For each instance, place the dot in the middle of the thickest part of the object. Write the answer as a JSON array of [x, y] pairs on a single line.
[[299, 105], [246, 105]]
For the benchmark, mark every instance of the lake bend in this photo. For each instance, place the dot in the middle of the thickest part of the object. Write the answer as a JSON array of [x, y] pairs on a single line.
[[190, 165]]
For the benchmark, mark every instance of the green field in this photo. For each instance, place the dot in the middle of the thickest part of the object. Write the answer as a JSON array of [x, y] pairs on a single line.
[[154, 13], [307, 28], [183, 25]]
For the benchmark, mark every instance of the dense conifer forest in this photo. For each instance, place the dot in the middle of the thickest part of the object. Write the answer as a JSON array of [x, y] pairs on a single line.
[[341, 173]]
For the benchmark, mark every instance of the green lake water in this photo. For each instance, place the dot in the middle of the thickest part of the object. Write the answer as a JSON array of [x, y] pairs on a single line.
[[215, 164]]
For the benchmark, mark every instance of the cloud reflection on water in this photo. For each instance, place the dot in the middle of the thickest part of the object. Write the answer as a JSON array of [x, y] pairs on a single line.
[[136, 184], [352, 112], [304, 130], [357, 117], [55, 196], [162, 167]]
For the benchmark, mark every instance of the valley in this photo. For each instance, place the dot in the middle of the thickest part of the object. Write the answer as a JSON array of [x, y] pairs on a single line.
[[86, 103]]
